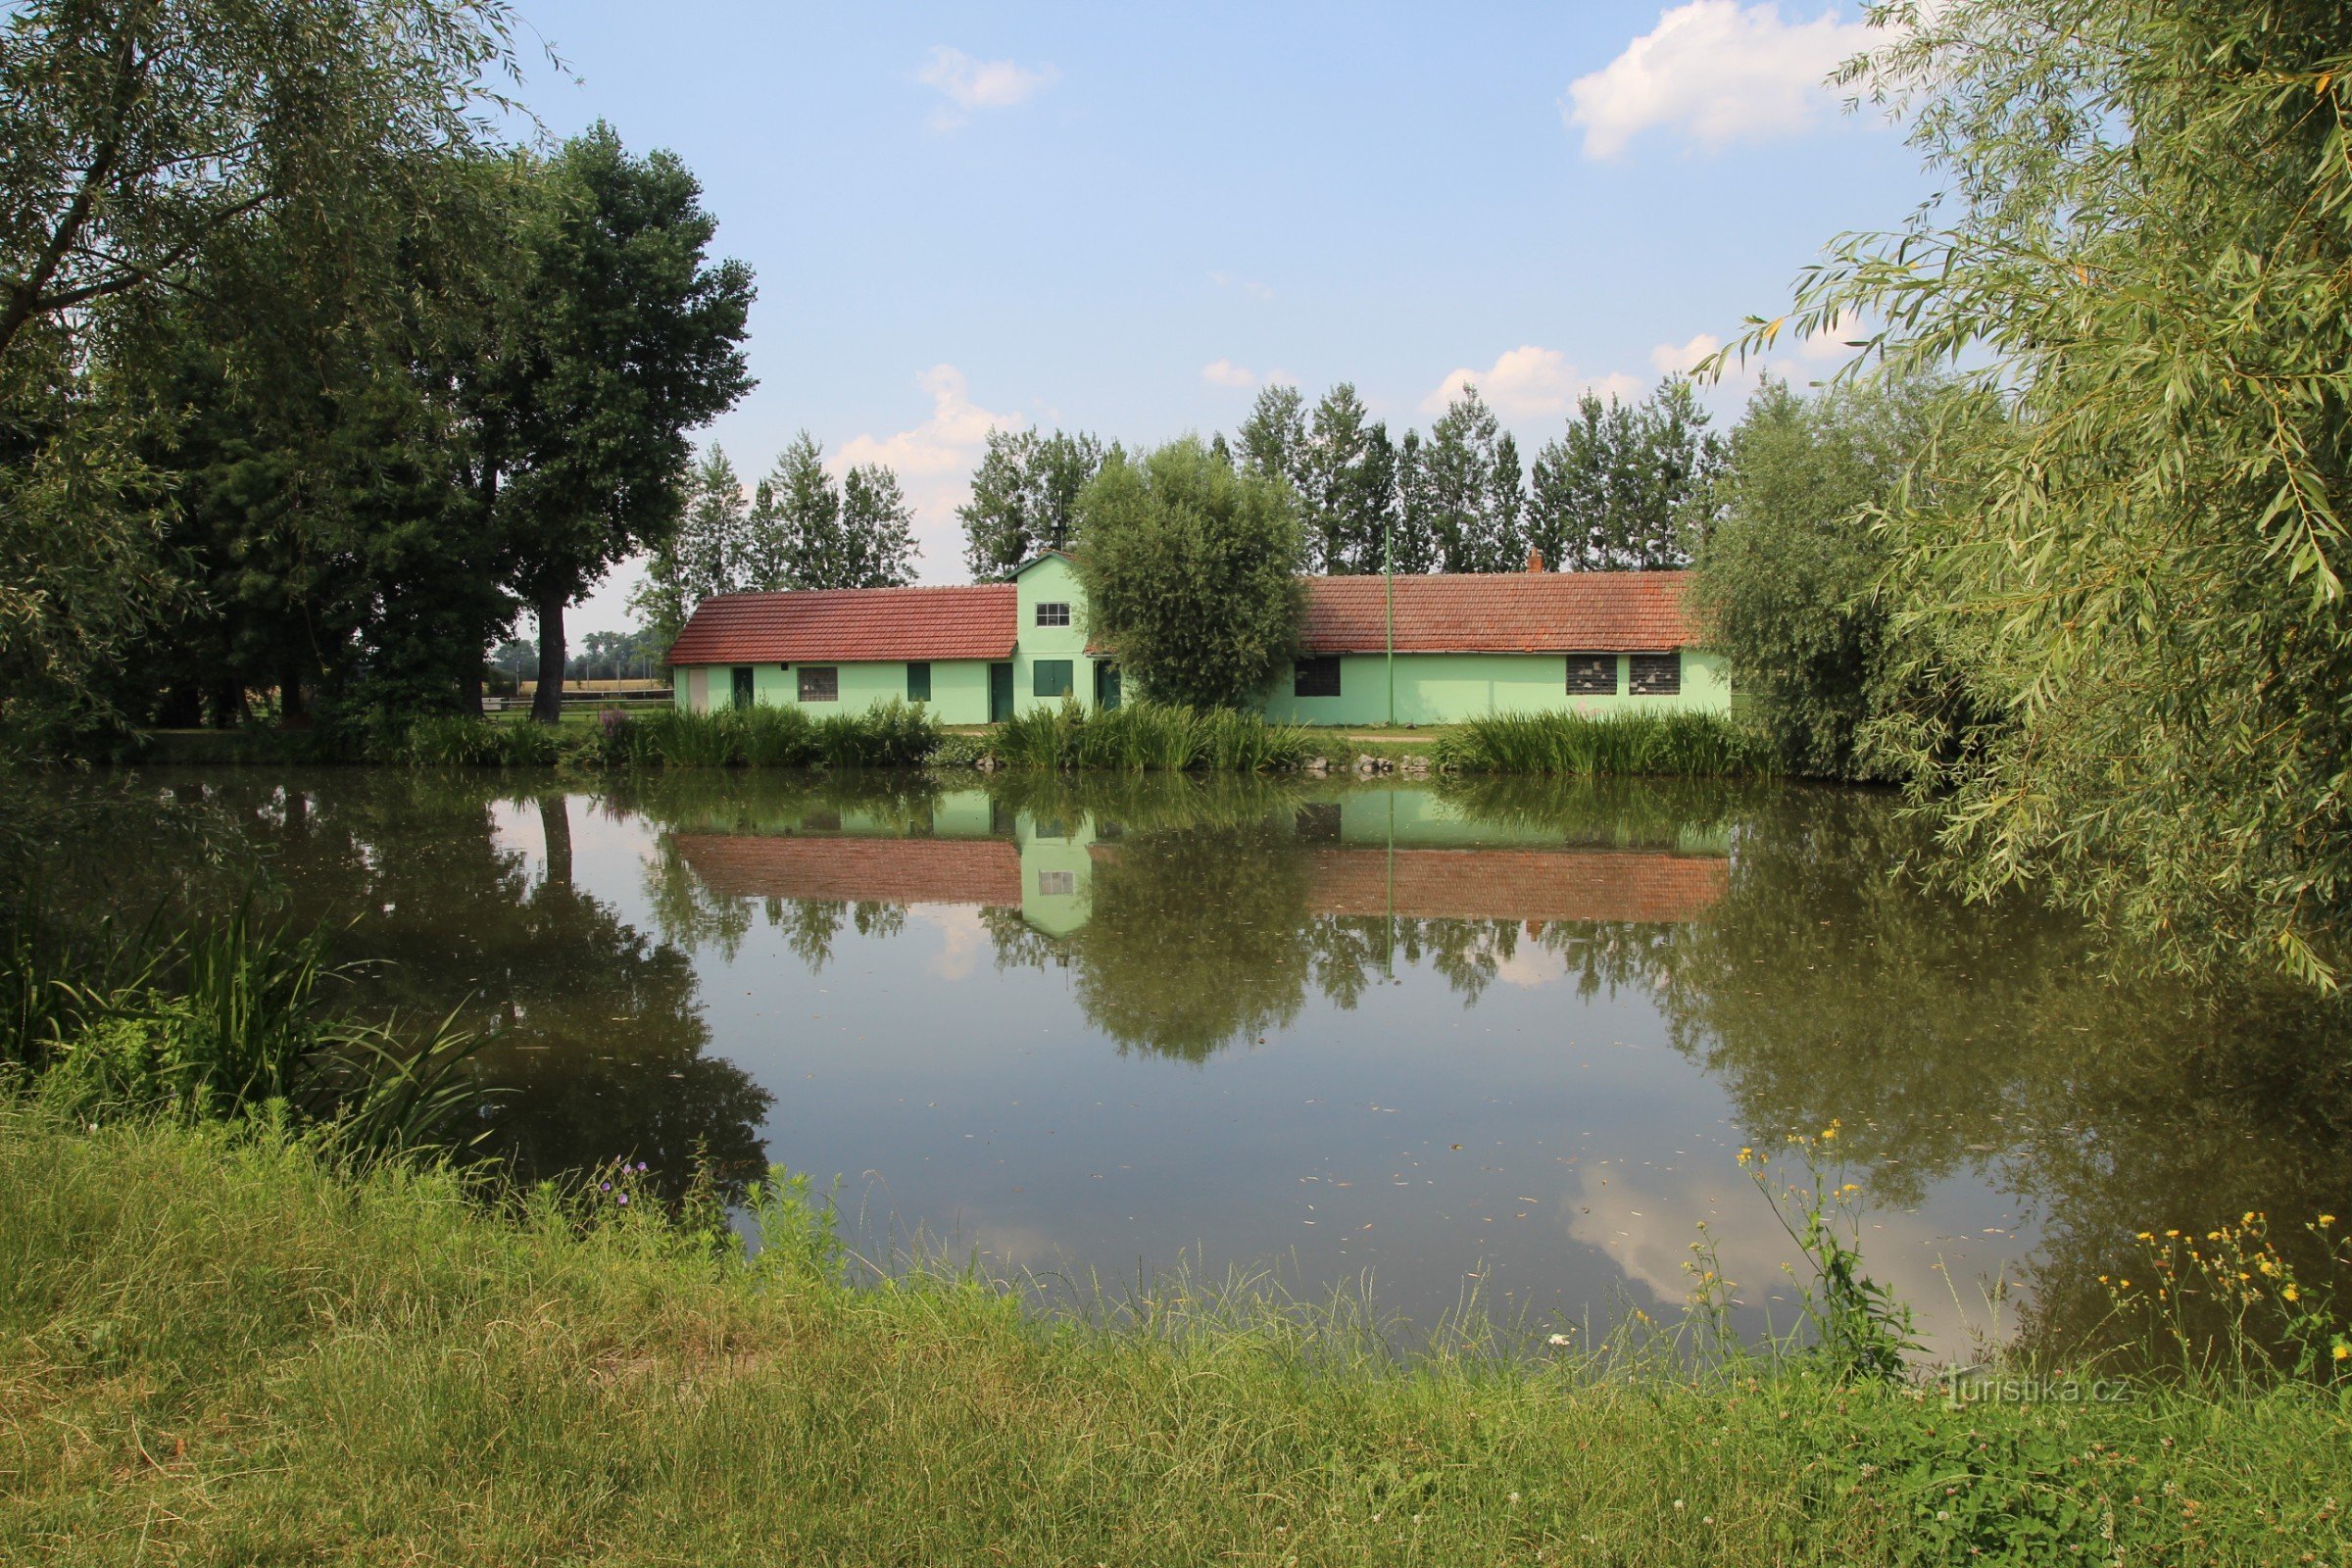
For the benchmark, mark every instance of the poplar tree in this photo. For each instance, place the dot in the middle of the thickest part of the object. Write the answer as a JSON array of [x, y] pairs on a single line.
[[1273, 438], [1626, 487], [707, 554], [1471, 476], [877, 530], [1416, 547], [1347, 481], [1025, 498]]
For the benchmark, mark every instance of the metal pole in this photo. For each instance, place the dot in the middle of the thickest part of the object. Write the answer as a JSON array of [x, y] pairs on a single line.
[[1387, 572]]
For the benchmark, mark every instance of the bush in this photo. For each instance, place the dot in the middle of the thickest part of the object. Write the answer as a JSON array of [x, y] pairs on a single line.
[[891, 734], [457, 740], [1684, 745], [962, 751], [1149, 737]]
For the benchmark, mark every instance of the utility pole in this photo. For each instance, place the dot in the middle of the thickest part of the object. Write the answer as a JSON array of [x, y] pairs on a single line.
[[1387, 572]]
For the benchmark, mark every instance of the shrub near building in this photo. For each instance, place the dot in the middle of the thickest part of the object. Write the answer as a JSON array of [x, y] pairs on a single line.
[[1191, 572]]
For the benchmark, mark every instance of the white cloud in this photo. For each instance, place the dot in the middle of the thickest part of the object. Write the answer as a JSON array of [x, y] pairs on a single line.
[[934, 463], [1224, 372], [1255, 290], [1678, 359], [1529, 382], [1721, 70], [1797, 360], [969, 84]]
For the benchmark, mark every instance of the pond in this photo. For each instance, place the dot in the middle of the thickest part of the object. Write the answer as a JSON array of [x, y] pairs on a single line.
[[1448, 1040]]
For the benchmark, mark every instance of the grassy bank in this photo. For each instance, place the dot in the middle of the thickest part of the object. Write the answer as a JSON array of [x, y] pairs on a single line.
[[214, 1350]]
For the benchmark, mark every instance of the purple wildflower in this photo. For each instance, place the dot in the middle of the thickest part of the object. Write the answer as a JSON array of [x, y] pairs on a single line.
[[605, 1187], [624, 1198]]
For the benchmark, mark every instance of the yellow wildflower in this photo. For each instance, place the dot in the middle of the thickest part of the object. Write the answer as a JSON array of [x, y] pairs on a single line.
[[2343, 1352], [2291, 1293], [2326, 1219]]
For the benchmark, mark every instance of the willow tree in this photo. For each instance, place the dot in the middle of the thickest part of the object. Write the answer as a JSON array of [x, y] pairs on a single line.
[[2146, 250], [1190, 570]]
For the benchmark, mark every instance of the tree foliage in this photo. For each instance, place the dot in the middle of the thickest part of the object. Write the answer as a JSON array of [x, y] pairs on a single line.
[[1791, 577], [622, 337], [1025, 498], [1626, 487], [133, 135], [1190, 570], [2146, 241]]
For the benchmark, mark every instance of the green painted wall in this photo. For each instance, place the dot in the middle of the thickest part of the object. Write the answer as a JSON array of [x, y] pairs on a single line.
[[1430, 688], [958, 688], [1445, 688], [1050, 579]]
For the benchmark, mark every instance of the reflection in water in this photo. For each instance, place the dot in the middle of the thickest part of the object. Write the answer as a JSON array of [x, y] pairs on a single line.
[[1200, 917], [1510, 1031]]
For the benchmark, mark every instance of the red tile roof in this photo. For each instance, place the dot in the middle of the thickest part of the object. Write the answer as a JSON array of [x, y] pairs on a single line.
[[1507, 613], [743, 865], [848, 624], [1646, 887]]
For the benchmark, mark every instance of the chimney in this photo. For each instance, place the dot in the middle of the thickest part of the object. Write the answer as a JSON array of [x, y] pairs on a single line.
[[1535, 559]]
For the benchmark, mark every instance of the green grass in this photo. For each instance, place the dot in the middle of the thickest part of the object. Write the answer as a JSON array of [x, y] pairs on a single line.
[[1147, 737], [1680, 745], [218, 1349]]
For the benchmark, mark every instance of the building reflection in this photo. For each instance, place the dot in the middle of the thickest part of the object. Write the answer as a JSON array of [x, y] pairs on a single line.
[[1395, 854]]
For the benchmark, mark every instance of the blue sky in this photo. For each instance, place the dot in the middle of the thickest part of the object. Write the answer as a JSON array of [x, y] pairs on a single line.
[[1126, 220]]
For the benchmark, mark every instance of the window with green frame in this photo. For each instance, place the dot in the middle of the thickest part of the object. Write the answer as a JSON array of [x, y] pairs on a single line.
[[918, 682], [1052, 677]]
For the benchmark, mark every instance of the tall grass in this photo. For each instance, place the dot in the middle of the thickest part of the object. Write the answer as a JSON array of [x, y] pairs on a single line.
[[1679, 745], [891, 734], [231, 1350], [457, 740], [231, 1019], [1147, 737]]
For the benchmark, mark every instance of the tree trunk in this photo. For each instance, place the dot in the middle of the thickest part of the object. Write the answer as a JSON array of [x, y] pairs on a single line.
[[547, 703], [293, 709], [469, 689], [554, 824]]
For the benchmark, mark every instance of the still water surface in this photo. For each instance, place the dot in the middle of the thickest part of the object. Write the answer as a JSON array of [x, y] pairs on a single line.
[[1499, 1038]]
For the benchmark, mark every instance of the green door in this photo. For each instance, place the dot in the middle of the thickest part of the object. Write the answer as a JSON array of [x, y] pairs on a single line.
[[999, 693], [1106, 685]]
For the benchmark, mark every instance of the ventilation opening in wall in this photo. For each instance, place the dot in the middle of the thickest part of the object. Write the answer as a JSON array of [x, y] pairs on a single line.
[[1656, 674], [1591, 674]]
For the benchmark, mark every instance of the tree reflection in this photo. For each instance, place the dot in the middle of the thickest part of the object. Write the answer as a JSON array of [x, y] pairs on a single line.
[[597, 1048], [1953, 1039]]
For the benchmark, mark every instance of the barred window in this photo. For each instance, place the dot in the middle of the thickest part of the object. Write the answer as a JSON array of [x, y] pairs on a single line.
[[918, 682], [1591, 674], [1315, 678], [1657, 674], [820, 683], [1053, 613]]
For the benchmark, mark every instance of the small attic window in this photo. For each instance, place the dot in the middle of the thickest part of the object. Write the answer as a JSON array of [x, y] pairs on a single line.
[[1054, 612]]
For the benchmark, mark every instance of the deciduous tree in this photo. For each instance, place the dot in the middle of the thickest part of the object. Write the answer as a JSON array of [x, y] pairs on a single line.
[[1190, 570]]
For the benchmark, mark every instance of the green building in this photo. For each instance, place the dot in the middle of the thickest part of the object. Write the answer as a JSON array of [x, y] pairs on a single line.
[[1420, 650]]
